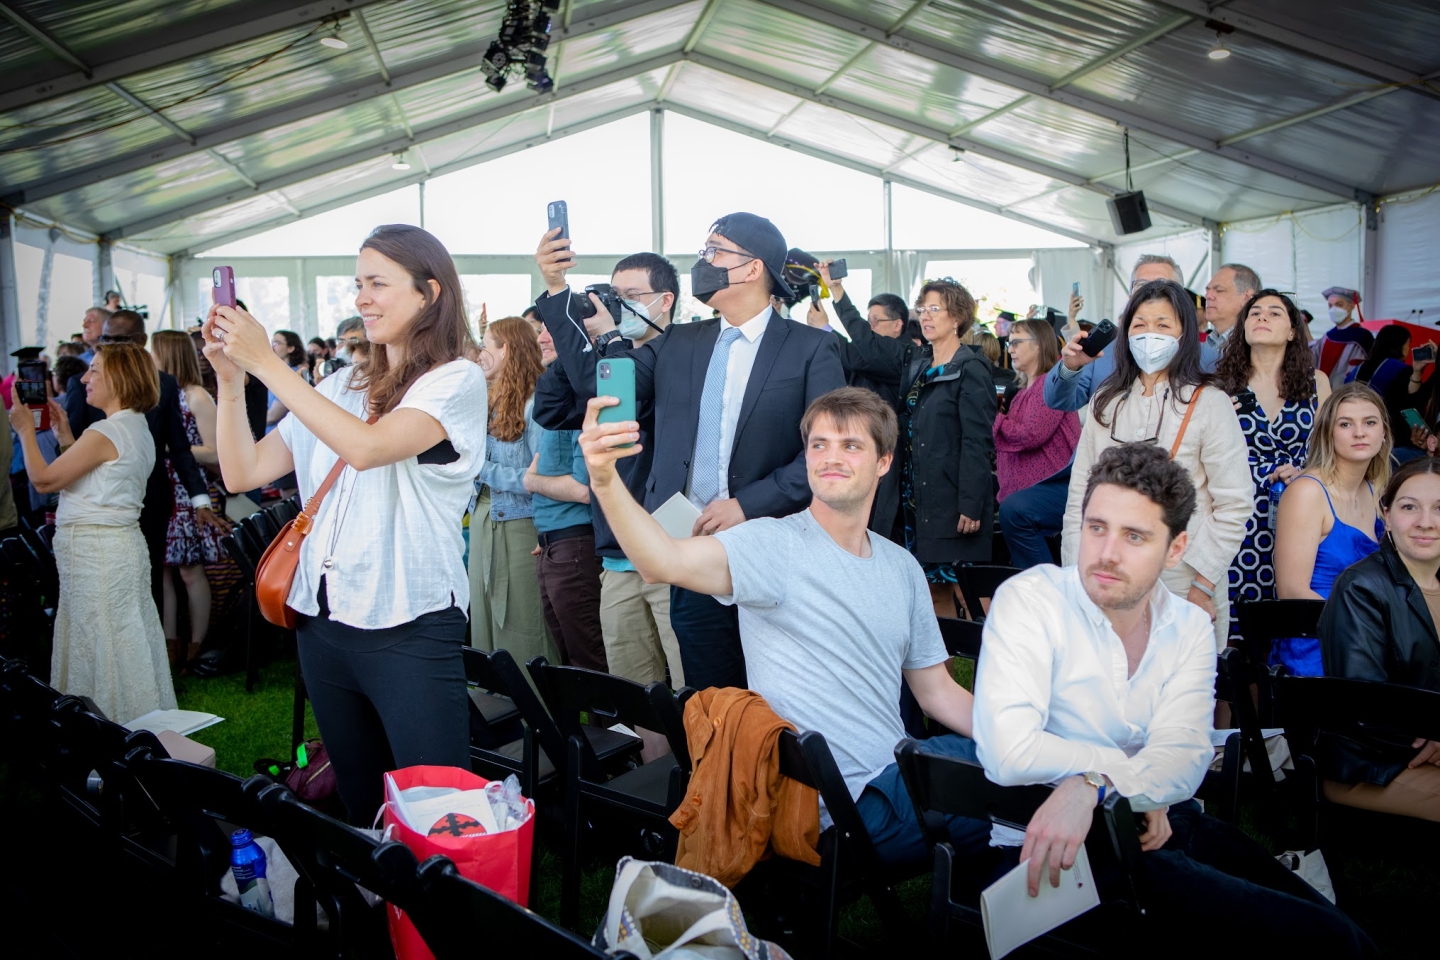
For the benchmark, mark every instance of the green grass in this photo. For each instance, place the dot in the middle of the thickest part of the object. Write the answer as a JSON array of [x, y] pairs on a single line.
[[1392, 900]]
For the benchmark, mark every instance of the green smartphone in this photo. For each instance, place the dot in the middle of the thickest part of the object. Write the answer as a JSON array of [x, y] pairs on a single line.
[[1412, 417], [616, 378]]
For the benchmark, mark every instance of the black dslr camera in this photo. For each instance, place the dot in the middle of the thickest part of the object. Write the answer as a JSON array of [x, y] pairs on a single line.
[[608, 295]]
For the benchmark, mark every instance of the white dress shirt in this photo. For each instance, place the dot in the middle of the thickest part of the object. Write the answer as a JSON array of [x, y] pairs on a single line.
[[1053, 697], [737, 376]]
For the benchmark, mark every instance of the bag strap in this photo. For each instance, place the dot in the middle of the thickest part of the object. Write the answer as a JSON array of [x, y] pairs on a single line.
[[1189, 411], [313, 503]]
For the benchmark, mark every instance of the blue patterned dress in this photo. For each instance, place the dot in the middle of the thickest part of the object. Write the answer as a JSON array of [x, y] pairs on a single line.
[[1252, 573]]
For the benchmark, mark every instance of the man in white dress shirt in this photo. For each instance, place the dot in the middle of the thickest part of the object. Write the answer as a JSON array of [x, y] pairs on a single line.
[[1096, 678]]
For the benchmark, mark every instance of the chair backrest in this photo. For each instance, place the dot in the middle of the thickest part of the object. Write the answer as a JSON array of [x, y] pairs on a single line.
[[465, 914], [1262, 622], [961, 637], [1355, 709], [570, 691], [1234, 674], [979, 582], [806, 757], [499, 673], [332, 857], [234, 544]]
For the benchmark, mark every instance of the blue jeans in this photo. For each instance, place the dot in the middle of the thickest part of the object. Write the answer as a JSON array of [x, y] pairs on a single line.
[[1028, 516], [889, 816]]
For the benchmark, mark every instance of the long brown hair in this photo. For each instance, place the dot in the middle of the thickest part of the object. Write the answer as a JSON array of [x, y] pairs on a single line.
[[437, 336], [175, 354], [514, 382], [1046, 343], [1320, 458], [1297, 369]]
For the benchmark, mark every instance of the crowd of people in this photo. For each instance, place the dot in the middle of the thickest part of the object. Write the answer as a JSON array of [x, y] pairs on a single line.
[[840, 471]]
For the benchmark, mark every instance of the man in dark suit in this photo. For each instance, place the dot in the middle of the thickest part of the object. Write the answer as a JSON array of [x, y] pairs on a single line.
[[728, 393], [167, 428]]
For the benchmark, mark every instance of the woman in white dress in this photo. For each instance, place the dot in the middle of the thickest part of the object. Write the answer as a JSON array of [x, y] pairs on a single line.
[[109, 644]]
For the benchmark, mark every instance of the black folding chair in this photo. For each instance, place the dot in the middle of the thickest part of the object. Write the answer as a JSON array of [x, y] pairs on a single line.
[[849, 866], [45, 554], [942, 786], [494, 717], [194, 810], [464, 914], [1261, 623], [1319, 708], [961, 637], [645, 795], [332, 858], [1234, 677], [28, 610], [978, 582]]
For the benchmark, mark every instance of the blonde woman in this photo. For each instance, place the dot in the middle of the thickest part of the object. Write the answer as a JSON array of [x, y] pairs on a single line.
[[1334, 519], [109, 645]]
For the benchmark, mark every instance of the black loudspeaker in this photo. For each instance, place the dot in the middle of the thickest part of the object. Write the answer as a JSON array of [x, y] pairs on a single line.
[[1128, 212]]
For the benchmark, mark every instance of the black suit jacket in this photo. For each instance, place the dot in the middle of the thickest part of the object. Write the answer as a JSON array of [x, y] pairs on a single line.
[[167, 429], [794, 365]]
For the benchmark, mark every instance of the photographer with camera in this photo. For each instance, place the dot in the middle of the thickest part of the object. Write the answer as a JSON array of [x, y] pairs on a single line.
[[728, 395], [634, 615]]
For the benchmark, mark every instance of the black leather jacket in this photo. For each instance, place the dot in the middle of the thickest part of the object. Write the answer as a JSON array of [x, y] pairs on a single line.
[[1376, 626]]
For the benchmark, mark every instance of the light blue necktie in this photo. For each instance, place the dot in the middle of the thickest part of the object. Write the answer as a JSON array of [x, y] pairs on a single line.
[[705, 464]]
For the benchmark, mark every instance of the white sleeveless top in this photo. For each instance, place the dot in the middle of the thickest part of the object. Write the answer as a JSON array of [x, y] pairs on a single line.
[[111, 494]]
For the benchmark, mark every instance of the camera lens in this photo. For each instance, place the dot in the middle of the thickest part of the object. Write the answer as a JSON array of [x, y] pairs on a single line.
[[604, 371], [215, 274]]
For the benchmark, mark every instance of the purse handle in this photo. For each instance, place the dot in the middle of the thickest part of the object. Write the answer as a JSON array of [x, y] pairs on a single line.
[[1189, 410], [306, 518]]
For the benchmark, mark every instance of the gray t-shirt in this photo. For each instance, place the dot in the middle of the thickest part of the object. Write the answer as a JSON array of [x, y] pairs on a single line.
[[826, 634]]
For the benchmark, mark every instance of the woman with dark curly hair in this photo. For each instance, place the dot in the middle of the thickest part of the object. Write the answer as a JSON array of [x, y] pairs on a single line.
[[1268, 369]]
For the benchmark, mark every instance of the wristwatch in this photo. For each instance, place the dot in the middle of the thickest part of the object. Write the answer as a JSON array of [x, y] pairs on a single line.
[[1098, 782], [604, 340]]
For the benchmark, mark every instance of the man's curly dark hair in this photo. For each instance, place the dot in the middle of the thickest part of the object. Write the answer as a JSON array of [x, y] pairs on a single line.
[[1149, 471]]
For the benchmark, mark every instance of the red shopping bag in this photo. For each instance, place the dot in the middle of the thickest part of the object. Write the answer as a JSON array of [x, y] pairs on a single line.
[[499, 861]]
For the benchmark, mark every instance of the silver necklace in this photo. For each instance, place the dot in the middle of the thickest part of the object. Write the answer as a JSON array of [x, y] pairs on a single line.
[[344, 511]]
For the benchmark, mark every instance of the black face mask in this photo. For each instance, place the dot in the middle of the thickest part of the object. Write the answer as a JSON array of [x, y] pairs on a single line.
[[706, 280]]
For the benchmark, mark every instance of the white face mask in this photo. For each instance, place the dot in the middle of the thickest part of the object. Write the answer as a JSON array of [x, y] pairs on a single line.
[[633, 318], [1153, 351], [1338, 315]]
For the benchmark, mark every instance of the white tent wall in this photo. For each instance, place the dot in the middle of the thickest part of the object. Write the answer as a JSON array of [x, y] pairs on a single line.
[[1059, 270], [54, 284], [1405, 274], [1303, 254], [143, 280]]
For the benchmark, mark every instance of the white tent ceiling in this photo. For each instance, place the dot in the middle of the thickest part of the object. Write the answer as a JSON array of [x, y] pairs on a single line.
[[176, 125]]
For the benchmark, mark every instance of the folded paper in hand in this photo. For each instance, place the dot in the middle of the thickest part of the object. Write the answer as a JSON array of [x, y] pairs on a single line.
[[677, 516], [1014, 918]]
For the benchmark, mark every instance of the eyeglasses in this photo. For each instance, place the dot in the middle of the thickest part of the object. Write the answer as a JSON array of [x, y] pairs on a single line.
[[352, 341], [1014, 340], [874, 323], [934, 309], [1115, 419], [707, 253]]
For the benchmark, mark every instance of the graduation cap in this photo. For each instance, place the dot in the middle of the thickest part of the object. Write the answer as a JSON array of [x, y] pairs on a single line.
[[27, 353]]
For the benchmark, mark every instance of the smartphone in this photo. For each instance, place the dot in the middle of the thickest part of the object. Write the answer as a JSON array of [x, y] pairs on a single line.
[[838, 270], [30, 383], [616, 378], [222, 286], [1100, 338], [1075, 289], [1426, 351], [1246, 402], [1412, 417]]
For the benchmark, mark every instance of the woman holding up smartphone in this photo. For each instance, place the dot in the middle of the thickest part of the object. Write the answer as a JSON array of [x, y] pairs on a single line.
[[380, 590], [1399, 378], [1268, 370], [109, 644]]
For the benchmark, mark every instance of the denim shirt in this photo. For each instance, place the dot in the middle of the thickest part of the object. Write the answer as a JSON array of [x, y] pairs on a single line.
[[504, 471]]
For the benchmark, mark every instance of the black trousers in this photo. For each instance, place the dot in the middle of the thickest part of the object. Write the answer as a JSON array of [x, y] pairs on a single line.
[[386, 699], [1213, 888], [708, 633]]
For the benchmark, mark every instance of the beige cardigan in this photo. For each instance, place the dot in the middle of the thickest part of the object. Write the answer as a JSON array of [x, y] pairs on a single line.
[[1214, 452]]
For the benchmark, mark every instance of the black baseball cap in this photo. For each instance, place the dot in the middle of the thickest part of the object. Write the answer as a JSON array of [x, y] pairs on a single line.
[[760, 237]]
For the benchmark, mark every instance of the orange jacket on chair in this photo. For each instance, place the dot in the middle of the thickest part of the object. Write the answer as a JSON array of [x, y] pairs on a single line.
[[739, 808]]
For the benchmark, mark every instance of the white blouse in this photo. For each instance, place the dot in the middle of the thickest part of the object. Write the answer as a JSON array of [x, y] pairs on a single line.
[[391, 534], [111, 495]]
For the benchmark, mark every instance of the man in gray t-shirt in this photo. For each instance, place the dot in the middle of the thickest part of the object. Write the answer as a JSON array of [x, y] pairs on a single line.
[[831, 617]]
